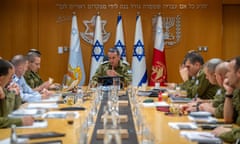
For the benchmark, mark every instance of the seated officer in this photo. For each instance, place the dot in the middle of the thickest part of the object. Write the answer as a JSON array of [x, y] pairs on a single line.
[[9, 101], [32, 77], [27, 93], [216, 106], [231, 104], [114, 66], [194, 79]]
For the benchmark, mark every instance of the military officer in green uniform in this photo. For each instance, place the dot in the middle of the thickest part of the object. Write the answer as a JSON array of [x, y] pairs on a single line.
[[114, 66], [216, 76], [32, 77], [194, 79], [232, 103], [9, 97]]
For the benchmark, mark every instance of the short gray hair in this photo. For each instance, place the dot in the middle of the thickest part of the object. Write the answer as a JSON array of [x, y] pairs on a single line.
[[212, 64], [18, 59]]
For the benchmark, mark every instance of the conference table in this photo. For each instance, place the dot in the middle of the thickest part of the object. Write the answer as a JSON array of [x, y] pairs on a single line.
[[155, 120]]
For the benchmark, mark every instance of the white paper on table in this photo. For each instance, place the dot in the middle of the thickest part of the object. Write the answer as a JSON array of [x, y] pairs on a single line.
[[53, 98], [58, 114], [27, 112], [203, 119], [183, 125], [155, 104], [42, 105], [20, 140], [37, 124], [200, 136]]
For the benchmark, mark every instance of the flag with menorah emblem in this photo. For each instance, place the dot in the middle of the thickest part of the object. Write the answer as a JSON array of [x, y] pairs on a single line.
[[159, 69]]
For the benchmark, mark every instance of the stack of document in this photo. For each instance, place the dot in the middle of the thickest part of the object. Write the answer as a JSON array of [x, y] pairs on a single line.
[[201, 137], [183, 125], [175, 99], [156, 104], [27, 112], [202, 116], [58, 114], [42, 105], [53, 98]]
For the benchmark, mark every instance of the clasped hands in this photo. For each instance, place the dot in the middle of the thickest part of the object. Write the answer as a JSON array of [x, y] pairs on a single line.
[[111, 72]]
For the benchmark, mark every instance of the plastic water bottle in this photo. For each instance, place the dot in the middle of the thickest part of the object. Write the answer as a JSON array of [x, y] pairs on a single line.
[[13, 139]]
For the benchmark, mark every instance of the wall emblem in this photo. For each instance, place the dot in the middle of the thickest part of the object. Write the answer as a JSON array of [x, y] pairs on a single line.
[[88, 34], [171, 28]]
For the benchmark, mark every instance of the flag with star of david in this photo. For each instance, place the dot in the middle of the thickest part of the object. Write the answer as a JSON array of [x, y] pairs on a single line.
[[159, 69], [75, 66], [139, 71], [98, 49], [119, 42]]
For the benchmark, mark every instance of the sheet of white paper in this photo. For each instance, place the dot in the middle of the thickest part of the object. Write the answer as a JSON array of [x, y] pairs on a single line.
[[27, 112], [203, 119], [51, 99], [155, 104], [200, 136], [40, 124], [42, 105], [183, 125], [58, 114]]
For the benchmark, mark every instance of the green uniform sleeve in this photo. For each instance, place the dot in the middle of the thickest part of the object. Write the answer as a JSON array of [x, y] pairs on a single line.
[[236, 107], [122, 70], [10, 103], [33, 79], [231, 136], [219, 111], [7, 122], [99, 72], [200, 86], [218, 103]]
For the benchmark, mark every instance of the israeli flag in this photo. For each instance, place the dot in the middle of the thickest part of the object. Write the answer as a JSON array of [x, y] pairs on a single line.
[[119, 42], [75, 63], [98, 49], [139, 71]]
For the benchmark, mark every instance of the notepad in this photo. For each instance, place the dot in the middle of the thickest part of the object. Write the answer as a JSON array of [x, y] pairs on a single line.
[[41, 135], [201, 137], [183, 125]]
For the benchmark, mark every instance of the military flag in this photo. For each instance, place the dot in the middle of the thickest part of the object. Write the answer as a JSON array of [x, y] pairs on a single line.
[[159, 70], [75, 62]]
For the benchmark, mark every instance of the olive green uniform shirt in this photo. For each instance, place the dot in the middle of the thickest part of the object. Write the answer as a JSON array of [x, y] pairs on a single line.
[[33, 79], [10, 103], [234, 134], [122, 69], [7, 122], [199, 85], [218, 103]]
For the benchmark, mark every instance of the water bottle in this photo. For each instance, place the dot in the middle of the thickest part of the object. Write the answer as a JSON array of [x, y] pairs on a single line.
[[13, 139]]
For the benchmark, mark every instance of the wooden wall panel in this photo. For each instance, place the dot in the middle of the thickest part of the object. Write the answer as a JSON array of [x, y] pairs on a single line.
[[19, 27], [231, 23], [35, 25]]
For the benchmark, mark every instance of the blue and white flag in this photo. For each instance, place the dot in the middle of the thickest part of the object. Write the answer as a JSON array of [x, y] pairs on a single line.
[[119, 42], [139, 71], [98, 49], [75, 63]]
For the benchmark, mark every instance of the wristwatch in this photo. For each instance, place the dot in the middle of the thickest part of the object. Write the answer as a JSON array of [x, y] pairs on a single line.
[[229, 95]]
